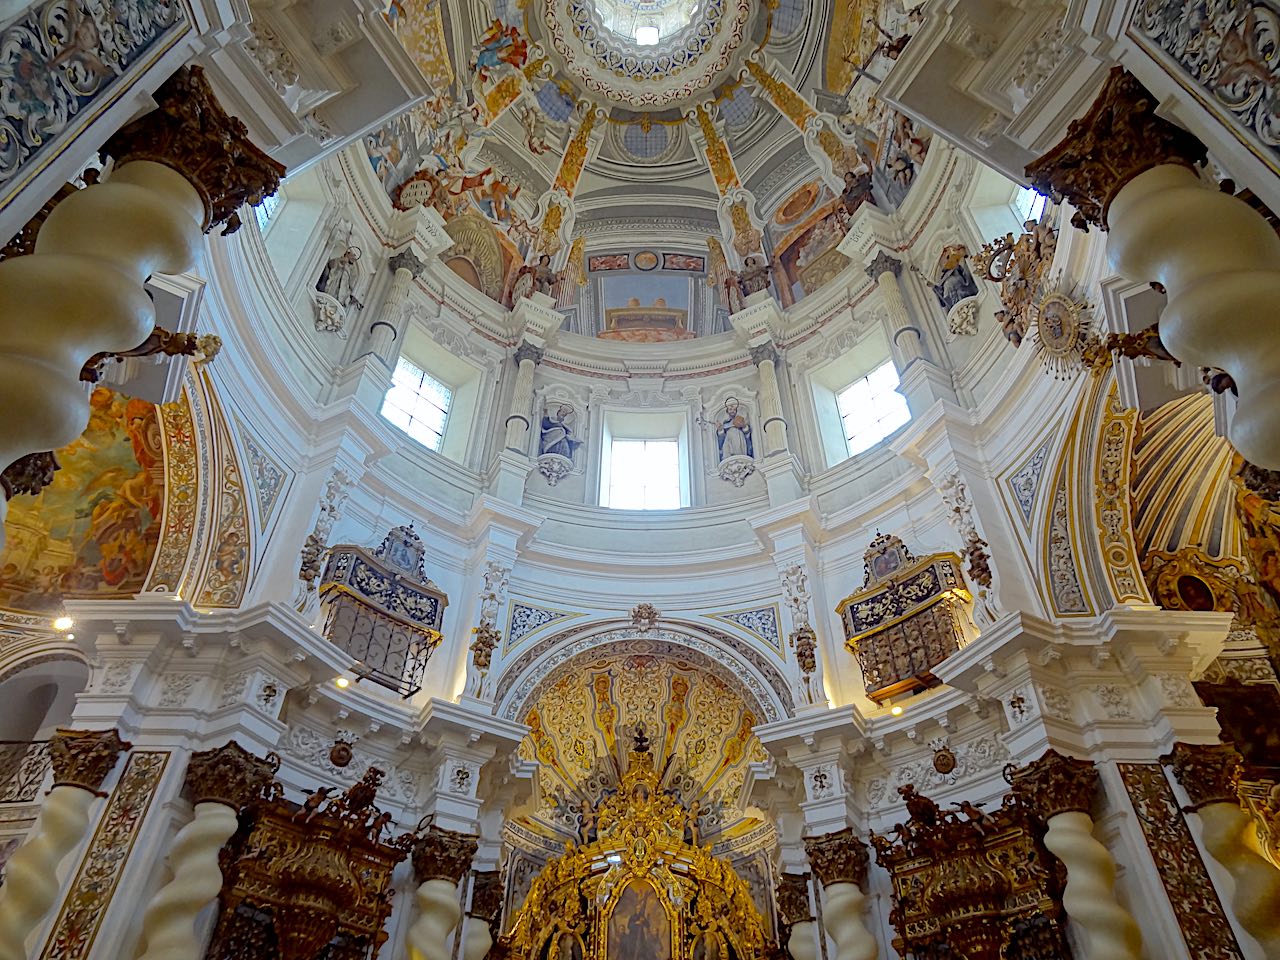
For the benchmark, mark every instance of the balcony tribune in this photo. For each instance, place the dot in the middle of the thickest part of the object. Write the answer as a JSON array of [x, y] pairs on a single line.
[[380, 607], [906, 619]]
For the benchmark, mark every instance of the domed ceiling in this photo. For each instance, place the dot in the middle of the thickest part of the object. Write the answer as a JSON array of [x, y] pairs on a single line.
[[648, 147]]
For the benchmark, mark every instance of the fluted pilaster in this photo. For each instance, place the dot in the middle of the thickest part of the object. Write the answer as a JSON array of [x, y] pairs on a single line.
[[527, 357], [765, 357], [904, 336]]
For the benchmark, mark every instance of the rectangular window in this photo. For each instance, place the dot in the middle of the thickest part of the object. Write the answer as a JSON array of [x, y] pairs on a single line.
[[418, 404], [267, 209], [644, 475], [1028, 205], [872, 408]]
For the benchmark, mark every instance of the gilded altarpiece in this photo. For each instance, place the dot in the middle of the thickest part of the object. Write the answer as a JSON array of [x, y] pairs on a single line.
[[638, 890], [973, 884]]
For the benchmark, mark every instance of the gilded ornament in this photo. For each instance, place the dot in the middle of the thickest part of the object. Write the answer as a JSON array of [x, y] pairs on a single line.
[[341, 754], [1119, 138], [792, 895], [84, 758], [1054, 784], [944, 760], [191, 133], [229, 775], [1209, 772], [484, 639], [28, 475]]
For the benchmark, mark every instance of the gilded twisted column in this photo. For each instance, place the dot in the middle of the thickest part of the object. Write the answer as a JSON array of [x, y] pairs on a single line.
[[485, 915], [81, 760], [181, 169], [1211, 776], [1060, 791], [840, 862], [219, 782], [440, 860], [797, 930], [528, 356], [1132, 173]]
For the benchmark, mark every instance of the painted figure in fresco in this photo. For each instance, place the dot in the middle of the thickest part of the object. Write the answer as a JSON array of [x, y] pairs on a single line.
[[557, 433], [499, 45], [857, 188], [755, 276], [338, 278], [544, 278], [733, 434]]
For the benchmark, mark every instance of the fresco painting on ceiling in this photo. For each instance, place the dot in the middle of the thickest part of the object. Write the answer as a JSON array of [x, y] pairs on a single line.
[[419, 26], [684, 261], [94, 530], [609, 261], [585, 718], [645, 309], [805, 232]]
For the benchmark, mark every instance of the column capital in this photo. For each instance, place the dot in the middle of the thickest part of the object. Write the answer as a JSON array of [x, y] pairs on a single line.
[[792, 898], [190, 132], [1210, 772], [405, 260], [1119, 138], [1055, 784], [440, 854], [838, 857], [762, 352], [882, 264], [528, 351], [229, 775], [83, 758]]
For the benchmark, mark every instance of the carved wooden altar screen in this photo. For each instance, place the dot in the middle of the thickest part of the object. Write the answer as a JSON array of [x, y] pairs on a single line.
[[972, 885], [905, 619], [637, 891]]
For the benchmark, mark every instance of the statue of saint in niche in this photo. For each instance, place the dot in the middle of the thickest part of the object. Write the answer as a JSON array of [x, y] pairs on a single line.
[[557, 432], [733, 432]]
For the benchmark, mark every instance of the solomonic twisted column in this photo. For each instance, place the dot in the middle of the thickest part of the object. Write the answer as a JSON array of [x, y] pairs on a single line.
[[440, 860], [840, 862], [184, 168], [219, 783], [1060, 791], [1211, 776], [81, 761], [1132, 173]]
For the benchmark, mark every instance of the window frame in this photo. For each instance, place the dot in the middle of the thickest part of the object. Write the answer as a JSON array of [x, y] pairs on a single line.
[[419, 396], [894, 410]]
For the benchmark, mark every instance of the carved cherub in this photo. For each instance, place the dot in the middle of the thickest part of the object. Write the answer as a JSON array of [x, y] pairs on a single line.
[[311, 806], [381, 823]]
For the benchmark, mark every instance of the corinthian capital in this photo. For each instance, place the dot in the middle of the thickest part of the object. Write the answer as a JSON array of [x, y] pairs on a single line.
[[229, 775], [882, 264], [1118, 139], [1055, 784], [83, 758], [442, 855], [1210, 773], [838, 857]]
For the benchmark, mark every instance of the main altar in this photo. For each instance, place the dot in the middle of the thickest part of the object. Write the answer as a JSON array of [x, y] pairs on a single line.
[[637, 886]]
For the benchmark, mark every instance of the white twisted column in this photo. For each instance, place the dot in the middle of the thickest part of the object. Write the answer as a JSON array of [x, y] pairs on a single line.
[[180, 169], [81, 761], [384, 331], [840, 862], [219, 782], [440, 860], [765, 357], [1211, 776], [527, 357], [1131, 172], [1060, 791]]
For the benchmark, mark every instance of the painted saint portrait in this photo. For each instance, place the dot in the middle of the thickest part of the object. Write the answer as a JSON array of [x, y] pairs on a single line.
[[638, 927], [557, 431], [94, 530]]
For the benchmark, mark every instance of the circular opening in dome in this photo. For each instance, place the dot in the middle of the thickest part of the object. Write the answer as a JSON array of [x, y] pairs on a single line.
[[646, 23]]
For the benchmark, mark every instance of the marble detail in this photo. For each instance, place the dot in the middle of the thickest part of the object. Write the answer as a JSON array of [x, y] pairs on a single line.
[[1025, 481], [761, 622], [526, 619], [1064, 580]]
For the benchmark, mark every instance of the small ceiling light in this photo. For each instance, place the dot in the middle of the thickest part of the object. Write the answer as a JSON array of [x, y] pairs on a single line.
[[343, 683], [896, 709], [71, 636], [63, 623], [647, 36]]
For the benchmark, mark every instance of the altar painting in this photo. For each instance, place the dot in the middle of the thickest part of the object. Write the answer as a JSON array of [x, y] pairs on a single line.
[[639, 928]]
